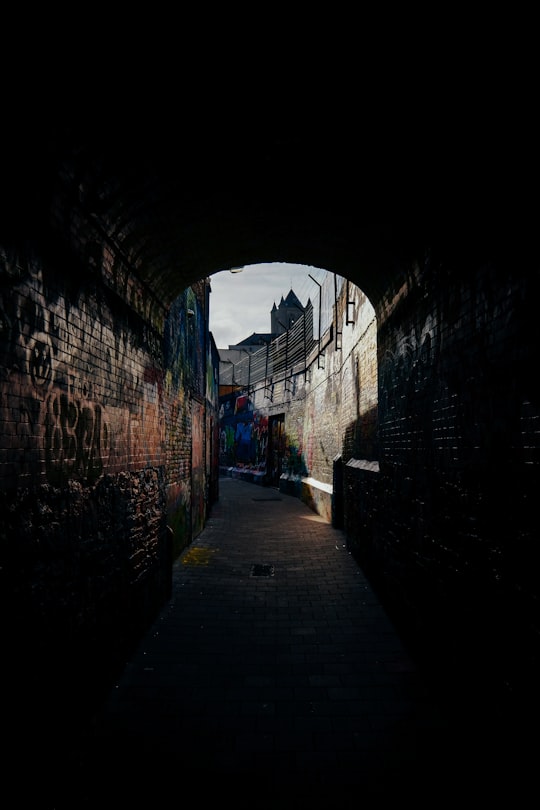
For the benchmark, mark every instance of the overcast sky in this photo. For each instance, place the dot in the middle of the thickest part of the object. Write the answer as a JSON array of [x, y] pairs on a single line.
[[240, 303]]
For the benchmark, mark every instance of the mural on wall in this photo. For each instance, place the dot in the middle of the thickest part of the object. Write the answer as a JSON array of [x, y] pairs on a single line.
[[250, 438], [243, 433]]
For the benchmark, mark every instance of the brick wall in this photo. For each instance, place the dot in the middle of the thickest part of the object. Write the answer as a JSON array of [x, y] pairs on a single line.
[[450, 525], [96, 445]]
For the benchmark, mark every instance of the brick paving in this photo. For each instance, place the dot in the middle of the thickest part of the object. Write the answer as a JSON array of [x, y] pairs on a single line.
[[273, 677]]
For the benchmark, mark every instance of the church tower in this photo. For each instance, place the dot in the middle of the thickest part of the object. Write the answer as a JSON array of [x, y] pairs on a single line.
[[283, 317]]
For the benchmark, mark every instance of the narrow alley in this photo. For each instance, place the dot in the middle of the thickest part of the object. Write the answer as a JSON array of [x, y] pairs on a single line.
[[274, 676]]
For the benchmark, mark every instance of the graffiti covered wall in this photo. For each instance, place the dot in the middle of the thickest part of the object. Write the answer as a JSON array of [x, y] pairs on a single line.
[[190, 400], [95, 464]]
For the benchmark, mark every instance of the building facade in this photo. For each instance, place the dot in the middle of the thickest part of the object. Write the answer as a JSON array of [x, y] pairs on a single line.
[[306, 404]]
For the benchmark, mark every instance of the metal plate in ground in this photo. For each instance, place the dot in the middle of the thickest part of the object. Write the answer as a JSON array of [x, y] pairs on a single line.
[[259, 570]]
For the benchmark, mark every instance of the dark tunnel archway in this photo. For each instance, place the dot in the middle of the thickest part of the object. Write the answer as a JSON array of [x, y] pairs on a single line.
[[105, 233]]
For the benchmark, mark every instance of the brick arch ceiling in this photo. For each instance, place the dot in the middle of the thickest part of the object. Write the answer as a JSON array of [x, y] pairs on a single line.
[[181, 207]]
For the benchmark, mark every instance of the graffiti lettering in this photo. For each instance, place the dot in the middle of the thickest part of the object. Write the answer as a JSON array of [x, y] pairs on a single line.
[[75, 436]]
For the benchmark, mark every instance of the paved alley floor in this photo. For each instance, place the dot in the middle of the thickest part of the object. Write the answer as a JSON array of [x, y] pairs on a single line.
[[273, 678]]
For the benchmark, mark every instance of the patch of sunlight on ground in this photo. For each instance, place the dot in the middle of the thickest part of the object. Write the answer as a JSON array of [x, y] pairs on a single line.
[[198, 556]]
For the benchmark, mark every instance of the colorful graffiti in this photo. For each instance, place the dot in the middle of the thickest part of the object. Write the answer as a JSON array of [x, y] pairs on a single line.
[[76, 384], [243, 433]]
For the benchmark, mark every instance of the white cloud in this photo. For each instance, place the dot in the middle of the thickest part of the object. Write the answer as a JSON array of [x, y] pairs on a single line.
[[240, 303]]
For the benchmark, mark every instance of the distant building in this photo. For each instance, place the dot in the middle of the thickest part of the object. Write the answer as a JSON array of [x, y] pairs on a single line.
[[286, 315], [282, 318]]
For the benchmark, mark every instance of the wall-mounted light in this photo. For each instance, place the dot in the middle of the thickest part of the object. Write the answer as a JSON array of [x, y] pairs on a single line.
[[190, 313]]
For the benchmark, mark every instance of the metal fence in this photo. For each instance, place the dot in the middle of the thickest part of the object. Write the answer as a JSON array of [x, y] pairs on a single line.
[[287, 355]]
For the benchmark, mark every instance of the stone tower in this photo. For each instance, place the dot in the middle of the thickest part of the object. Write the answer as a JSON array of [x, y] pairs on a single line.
[[284, 316]]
